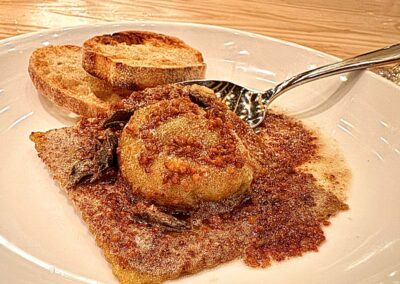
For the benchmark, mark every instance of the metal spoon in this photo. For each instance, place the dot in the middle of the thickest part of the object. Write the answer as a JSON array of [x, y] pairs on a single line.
[[252, 107]]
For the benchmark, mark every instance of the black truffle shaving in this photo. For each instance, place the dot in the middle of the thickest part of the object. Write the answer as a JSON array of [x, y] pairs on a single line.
[[151, 215], [118, 119], [198, 101], [103, 164]]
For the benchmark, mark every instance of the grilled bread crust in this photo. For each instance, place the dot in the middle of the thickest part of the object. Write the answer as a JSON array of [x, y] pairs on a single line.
[[139, 60], [57, 74]]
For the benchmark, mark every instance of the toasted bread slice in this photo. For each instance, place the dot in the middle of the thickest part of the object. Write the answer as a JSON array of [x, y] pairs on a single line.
[[139, 60], [57, 73]]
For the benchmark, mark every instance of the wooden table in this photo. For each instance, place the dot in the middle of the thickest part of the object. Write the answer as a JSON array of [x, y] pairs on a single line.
[[339, 27]]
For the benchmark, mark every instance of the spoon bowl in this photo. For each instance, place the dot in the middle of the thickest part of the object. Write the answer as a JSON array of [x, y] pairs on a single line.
[[252, 106]]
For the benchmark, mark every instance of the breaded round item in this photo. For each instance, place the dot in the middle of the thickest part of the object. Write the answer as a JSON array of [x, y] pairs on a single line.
[[177, 153]]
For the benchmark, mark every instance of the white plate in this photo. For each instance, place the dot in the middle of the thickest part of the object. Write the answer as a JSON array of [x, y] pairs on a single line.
[[44, 241]]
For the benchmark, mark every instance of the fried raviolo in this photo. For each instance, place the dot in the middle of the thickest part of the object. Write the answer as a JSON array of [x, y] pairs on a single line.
[[177, 153], [294, 193]]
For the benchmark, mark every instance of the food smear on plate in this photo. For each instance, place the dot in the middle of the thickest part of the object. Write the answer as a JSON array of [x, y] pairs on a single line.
[[171, 182]]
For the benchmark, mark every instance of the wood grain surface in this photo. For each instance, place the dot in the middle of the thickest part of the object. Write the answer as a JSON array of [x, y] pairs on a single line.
[[339, 27]]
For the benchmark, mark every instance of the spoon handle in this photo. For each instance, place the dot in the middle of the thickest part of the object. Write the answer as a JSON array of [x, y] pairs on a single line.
[[375, 58]]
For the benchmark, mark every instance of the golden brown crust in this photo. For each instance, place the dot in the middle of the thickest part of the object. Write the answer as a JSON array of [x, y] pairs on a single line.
[[80, 95], [140, 76]]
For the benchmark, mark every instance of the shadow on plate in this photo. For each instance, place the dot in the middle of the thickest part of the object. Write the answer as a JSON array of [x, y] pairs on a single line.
[[331, 98], [62, 115]]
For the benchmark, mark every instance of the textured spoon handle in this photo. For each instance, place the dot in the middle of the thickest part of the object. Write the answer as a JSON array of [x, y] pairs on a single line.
[[375, 58]]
